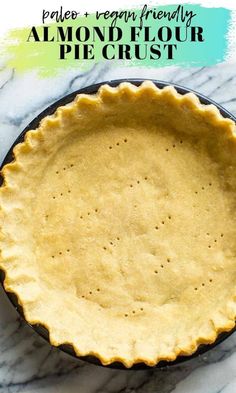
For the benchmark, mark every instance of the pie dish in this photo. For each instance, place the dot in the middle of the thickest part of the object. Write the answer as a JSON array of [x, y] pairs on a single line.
[[118, 224]]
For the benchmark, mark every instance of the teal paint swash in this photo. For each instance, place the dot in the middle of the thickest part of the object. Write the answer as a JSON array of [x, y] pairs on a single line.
[[188, 35]]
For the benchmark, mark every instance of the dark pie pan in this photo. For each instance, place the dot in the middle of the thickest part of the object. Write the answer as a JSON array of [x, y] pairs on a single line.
[[41, 330]]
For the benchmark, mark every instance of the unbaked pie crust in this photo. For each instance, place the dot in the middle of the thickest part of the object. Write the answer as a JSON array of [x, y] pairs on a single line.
[[118, 224]]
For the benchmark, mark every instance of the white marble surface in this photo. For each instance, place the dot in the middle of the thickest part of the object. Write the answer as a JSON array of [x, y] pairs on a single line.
[[27, 363]]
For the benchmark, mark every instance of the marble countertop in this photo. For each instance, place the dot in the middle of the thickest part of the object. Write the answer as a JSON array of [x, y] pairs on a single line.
[[27, 363]]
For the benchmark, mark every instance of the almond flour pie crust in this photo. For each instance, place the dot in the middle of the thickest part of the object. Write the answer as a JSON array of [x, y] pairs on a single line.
[[118, 224]]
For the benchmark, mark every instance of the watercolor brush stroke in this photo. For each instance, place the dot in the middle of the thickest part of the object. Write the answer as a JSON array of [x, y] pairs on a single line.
[[186, 36]]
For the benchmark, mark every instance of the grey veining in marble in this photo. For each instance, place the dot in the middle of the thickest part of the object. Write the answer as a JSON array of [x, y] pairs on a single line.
[[27, 363]]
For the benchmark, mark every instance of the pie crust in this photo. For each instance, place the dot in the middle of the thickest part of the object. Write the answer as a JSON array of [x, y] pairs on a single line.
[[118, 224]]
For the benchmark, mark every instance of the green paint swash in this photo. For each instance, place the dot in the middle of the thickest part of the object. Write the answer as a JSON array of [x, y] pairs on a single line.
[[206, 44]]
